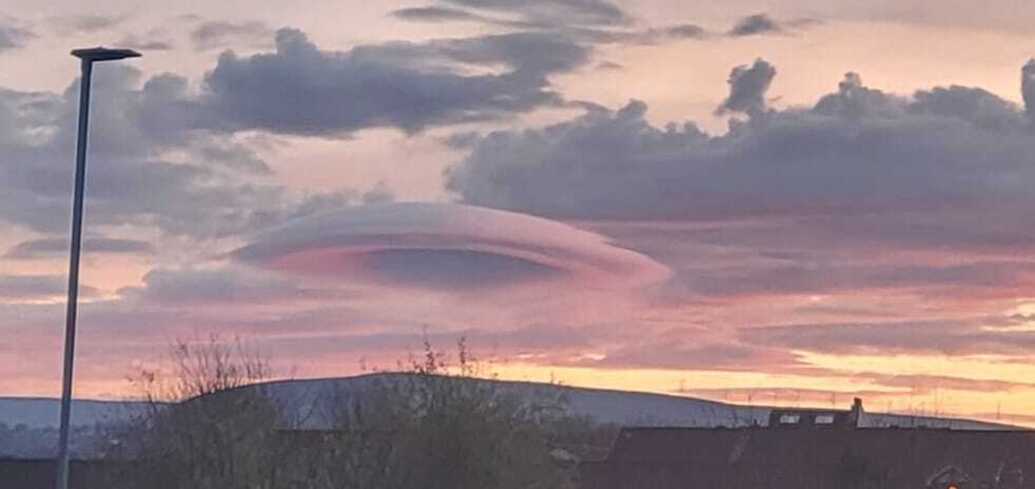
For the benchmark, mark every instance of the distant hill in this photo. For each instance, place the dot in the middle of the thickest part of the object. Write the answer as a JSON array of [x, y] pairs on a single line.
[[607, 406], [38, 412], [28, 427], [304, 398]]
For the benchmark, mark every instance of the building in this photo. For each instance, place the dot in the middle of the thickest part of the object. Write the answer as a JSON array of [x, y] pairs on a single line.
[[41, 474], [784, 418], [815, 449]]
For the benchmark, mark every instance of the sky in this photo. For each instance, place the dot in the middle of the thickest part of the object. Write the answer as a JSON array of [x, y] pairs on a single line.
[[789, 202]]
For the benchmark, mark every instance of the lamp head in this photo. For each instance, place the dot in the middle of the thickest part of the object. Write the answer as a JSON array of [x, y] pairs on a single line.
[[104, 54]]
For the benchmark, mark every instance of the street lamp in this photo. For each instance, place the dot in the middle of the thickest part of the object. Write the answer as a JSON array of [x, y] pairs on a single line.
[[88, 57]]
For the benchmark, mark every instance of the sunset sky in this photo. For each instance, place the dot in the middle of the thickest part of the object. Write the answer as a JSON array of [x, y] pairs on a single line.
[[760, 201]]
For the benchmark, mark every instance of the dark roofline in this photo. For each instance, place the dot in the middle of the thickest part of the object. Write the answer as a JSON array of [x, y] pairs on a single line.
[[44, 460], [863, 429], [809, 410]]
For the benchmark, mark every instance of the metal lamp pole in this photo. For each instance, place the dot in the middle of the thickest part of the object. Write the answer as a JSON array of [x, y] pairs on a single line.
[[88, 57]]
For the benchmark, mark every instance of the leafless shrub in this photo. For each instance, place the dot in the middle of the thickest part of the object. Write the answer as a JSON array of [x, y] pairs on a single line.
[[427, 425], [199, 430]]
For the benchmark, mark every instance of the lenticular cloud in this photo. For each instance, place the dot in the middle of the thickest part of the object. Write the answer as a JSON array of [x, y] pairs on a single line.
[[448, 246]]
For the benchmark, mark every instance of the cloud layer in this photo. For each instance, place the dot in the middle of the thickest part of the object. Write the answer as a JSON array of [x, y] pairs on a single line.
[[143, 133], [873, 224], [857, 151], [447, 246], [404, 85], [52, 247]]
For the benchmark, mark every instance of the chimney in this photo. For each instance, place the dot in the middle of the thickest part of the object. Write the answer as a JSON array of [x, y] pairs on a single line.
[[856, 414]]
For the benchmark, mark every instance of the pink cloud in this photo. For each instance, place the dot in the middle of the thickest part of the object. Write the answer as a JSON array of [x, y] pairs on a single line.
[[451, 247]]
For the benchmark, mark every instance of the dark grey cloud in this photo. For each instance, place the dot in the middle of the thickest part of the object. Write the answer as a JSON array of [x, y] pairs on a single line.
[[686, 31], [590, 21], [36, 287], [435, 14], [135, 127], [223, 34], [58, 247], [554, 12], [755, 24], [748, 86], [447, 13], [226, 285], [647, 36], [941, 159], [406, 85], [854, 100], [12, 36], [86, 23], [817, 277], [170, 157], [1028, 87], [763, 24], [978, 106]]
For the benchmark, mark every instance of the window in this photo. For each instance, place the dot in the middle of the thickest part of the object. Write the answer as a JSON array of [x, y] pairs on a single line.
[[825, 419], [789, 419]]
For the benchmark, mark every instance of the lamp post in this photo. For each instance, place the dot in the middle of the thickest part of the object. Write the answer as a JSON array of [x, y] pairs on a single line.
[[87, 57]]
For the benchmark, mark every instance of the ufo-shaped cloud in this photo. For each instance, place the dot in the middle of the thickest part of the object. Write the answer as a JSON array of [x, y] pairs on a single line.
[[448, 246]]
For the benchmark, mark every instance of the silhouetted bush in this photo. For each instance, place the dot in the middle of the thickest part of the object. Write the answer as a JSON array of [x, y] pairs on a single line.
[[427, 427]]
